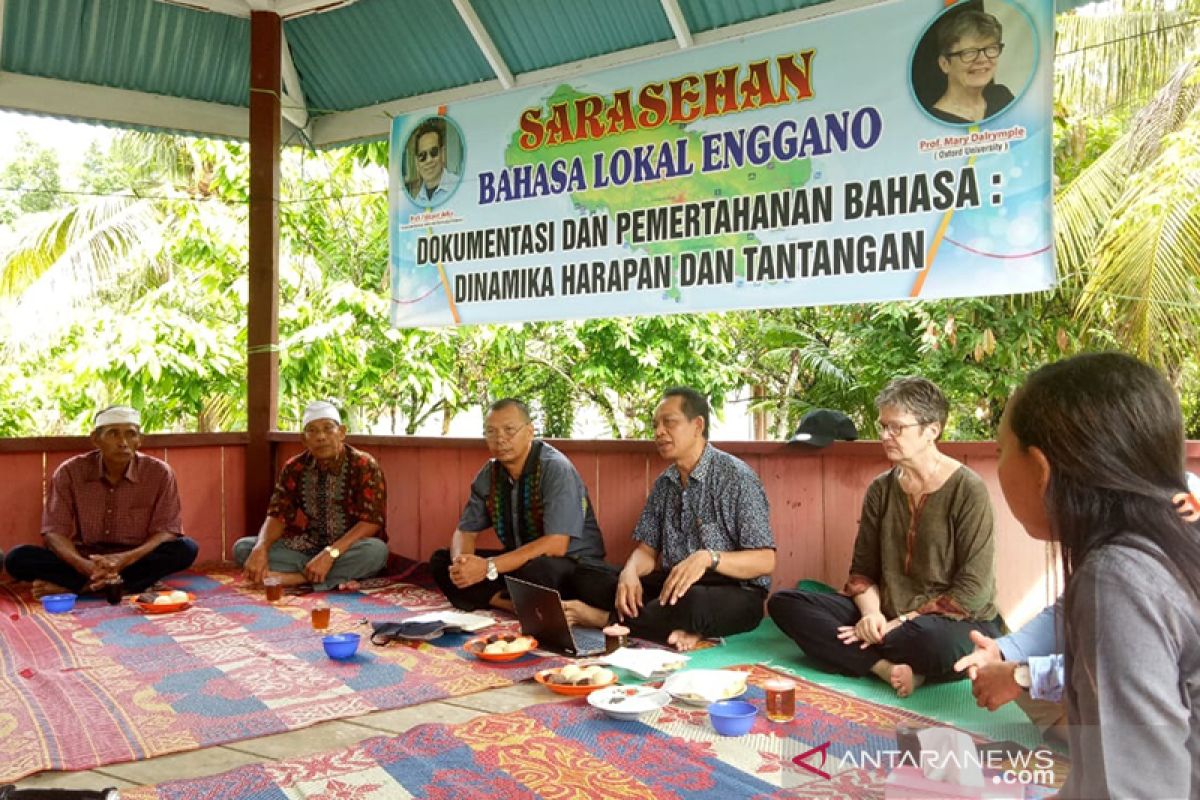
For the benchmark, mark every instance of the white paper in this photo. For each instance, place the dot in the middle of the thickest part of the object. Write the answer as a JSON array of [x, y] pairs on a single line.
[[950, 756], [468, 622], [643, 662]]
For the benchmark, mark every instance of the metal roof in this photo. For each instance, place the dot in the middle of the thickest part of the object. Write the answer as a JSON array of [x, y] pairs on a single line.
[[348, 65]]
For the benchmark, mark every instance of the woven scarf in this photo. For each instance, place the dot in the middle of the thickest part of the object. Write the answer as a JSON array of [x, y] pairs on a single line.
[[528, 516]]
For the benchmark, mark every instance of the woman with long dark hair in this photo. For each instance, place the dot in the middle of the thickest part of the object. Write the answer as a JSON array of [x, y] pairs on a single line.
[[1092, 456]]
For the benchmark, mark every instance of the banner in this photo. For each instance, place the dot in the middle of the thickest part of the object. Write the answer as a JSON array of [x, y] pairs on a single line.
[[898, 151]]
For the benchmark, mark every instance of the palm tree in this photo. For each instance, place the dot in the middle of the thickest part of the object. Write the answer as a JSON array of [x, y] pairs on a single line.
[[1128, 225]]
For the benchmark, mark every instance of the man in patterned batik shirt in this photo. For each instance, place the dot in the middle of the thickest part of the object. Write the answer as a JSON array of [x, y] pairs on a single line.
[[707, 521], [325, 523]]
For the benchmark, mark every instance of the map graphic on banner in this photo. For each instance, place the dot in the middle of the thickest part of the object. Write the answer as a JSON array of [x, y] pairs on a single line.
[[898, 151]]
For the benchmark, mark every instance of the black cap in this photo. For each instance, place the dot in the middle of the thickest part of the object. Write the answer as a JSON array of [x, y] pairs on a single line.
[[821, 426]]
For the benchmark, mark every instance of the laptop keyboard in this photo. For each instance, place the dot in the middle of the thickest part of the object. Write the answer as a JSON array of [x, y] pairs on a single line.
[[588, 640]]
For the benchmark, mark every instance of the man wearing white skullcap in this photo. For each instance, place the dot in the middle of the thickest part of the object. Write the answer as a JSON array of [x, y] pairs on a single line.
[[325, 523], [112, 520]]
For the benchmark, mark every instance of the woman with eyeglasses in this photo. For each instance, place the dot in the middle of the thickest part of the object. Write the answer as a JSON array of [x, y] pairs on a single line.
[[1092, 456], [923, 575], [969, 47]]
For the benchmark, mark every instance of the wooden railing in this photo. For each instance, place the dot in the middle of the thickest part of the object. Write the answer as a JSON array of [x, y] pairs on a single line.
[[815, 496]]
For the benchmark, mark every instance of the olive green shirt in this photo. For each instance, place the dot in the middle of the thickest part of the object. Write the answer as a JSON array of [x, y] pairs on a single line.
[[951, 568]]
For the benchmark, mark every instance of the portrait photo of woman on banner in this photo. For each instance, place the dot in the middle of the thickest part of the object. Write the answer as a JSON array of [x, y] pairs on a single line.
[[973, 61]]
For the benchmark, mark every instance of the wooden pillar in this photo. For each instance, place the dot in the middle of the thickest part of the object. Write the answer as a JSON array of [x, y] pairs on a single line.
[[262, 356]]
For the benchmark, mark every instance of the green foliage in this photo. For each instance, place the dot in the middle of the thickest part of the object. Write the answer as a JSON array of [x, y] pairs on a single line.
[[147, 288], [977, 350], [30, 182]]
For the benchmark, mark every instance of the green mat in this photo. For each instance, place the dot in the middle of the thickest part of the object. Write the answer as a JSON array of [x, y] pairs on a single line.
[[951, 703]]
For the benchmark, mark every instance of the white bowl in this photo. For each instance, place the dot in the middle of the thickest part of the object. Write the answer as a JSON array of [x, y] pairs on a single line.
[[628, 702]]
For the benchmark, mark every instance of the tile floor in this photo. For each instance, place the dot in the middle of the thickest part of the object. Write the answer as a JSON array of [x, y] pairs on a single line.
[[324, 736]]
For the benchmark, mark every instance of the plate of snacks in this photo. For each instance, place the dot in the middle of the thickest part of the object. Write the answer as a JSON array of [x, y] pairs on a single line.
[[699, 687], [574, 679], [164, 602], [628, 702], [500, 646]]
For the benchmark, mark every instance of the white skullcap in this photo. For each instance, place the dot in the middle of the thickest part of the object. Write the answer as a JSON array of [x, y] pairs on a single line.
[[320, 409], [117, 415]]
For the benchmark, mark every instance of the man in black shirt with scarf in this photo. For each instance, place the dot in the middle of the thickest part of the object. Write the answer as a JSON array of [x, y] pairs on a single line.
[[535, 500]]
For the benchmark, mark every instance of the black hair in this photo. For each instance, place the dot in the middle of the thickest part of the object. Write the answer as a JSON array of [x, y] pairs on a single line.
[[1111, 429], [432, 125], [511, 402], [694, 404]]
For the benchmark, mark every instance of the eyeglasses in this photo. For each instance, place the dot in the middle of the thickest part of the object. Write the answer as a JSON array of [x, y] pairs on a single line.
[[971, 54], [433, 152], [894, 429], [507, 432]]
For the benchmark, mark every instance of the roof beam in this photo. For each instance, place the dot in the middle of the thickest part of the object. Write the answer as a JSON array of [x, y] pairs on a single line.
[[484, 41], [286, 9], [55, 98], [233, 8], [683, 34], [373, 122]]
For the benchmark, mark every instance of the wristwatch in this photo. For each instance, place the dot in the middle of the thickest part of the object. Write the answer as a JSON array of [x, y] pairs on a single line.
[[1022, 676], [333, 552], [492, 572], [716, 558]]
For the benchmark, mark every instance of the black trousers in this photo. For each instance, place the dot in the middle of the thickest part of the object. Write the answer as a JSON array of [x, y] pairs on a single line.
[[32, 563], [715, 605], [930, 644], [555, 572]]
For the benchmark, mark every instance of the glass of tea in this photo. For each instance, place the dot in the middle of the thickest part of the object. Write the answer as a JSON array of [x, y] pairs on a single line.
[[274, 589], [781, 699], [320, 616]]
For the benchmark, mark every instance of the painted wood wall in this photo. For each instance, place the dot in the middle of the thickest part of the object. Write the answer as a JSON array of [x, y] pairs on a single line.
[[815, 497]]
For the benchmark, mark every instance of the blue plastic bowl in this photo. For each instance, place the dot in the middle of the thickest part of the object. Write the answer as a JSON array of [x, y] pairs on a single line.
[[58, 603], [732, 717], [341, 646]]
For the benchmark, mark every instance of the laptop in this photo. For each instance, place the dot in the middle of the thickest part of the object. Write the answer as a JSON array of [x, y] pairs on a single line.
[[542, 616]]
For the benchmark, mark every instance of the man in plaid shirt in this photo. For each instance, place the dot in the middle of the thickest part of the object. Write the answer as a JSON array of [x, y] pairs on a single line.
[[112, 519]]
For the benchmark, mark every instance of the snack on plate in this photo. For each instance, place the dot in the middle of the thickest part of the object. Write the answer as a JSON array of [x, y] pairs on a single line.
[[147, 598], [178, 596], [507, 643], [703, 686], [164, 600], [575, 675]]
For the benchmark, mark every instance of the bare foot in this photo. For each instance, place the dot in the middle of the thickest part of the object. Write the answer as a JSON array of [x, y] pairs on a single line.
[[684, 640], [43, 588], [349, 586], [580, 613], [501, 602], [904, 680]]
